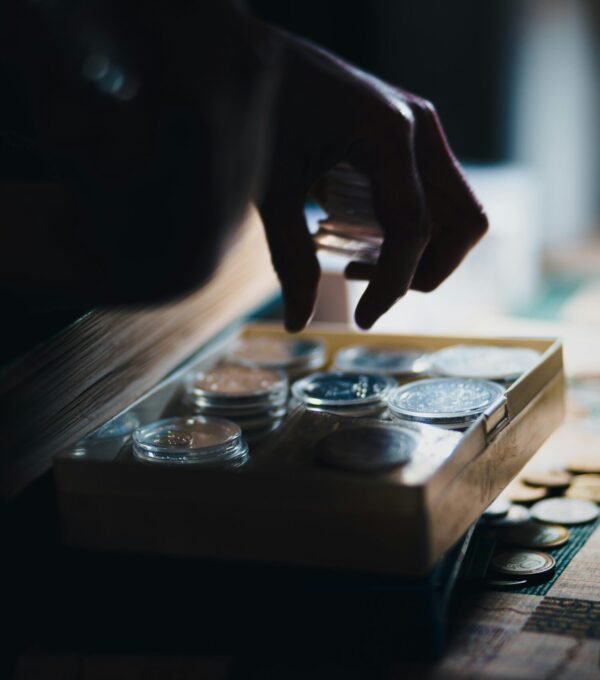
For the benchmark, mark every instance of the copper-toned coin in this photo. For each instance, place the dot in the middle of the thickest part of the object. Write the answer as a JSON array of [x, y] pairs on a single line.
[[586, 463], [536, 535], [564, 511], [518, 492], [523, 563], [237, 381], [551, 479], [584, 493]]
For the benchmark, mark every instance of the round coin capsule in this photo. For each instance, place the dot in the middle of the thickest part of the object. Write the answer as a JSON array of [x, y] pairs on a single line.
[[535, 535], [236, 382], [342, 389], [484, 362], [523, 563], [367, 448], [381, 360], [279, 353], [444, 401], [564, 511], [200, 440]]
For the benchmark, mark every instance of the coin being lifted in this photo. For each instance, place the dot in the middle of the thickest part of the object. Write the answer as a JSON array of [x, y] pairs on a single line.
[[523, 563], [535, 535], [484, 362], [367, 448], [564, 511]]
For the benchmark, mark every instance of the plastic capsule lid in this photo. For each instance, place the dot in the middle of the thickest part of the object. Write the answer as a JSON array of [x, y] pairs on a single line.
[[342, 389]]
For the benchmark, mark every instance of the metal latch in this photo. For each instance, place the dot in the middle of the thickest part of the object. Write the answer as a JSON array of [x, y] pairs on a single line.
[[495, 418]]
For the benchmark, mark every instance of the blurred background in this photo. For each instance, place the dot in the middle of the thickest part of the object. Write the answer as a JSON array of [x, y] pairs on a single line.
[[516, 84]]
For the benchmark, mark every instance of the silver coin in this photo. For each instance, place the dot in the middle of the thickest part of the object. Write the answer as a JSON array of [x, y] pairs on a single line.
[[517, 514], [564, 511], [444, 400], [381, 360], [278, 353], [367, 448], [200, 440], [236, 382], [342, 389], [499, 508], [484, 362], [523, 562]]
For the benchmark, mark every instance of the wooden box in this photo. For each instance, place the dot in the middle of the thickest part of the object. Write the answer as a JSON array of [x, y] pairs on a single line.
[[281, 508]]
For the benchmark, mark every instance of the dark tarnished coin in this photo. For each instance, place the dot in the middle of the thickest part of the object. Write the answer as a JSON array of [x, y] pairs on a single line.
[[517, 514], [523, 563], [550, 479], [367, 448], [484, 362], [499, 508], [342, 389], [506, 583], [564, 511], [536, 535], [381, 360], [444, 401]]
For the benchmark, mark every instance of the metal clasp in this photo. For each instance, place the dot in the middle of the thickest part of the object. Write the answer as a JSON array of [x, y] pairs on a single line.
[[495, 418]]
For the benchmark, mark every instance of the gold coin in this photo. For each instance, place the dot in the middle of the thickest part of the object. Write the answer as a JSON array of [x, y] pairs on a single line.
[[588, 480], [523, 562], [552, 479], [517, 492], [586, 463], [584, 493], [535, 535]]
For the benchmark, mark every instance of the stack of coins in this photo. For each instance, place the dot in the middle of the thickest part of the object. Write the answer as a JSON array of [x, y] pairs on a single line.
[[350, 228], [294, 356], [254, 398], [453, 403], [346, 394], [484, 362], [211, 442], [400, 363]]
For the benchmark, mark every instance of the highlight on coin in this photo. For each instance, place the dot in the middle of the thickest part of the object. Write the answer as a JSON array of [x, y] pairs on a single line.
[[382, 360], [295, 356], [486, 362]]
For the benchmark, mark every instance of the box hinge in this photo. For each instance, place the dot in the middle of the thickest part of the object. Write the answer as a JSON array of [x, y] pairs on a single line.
[[495, 418]]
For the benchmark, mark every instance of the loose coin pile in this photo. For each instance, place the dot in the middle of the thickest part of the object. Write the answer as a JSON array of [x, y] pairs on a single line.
[[485, 362], [294, 356], [350, 228], [347, 394], [401, 363], [254, 398], [374, 447], [453, 403], [199, 440]]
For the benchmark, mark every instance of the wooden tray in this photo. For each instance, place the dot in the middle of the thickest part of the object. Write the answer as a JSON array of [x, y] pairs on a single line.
[[281, 508]]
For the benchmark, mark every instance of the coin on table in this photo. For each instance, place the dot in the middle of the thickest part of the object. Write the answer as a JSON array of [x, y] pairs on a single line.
[[551, 479], [523, 563], [517, 514], [505, 583], [535, 535], [517, 492], [485, 362], [587, 480], [564, 511], [499, 508], [367, 448], [585, 463], [584, 493]]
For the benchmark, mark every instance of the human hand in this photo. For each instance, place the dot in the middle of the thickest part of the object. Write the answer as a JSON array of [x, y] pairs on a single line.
[[328, 112]]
